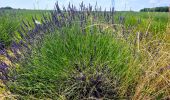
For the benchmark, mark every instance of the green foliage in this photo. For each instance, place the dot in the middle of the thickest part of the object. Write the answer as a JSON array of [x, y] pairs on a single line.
[[53, 62], [6, 8], [50, 71], [10, 21], [156, 9], [7, 26]]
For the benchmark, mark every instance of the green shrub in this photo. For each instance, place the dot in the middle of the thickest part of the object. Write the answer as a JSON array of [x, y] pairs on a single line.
[[45, 73]]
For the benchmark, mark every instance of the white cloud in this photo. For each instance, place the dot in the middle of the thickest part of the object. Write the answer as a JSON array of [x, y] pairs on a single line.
[[159, 2], [153, 1]]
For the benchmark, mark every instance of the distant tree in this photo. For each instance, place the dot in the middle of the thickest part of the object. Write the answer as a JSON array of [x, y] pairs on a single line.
[[156, 9], [6, 8]]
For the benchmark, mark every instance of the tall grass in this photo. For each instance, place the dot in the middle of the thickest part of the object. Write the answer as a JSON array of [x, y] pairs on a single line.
[[11, 21], [7, 26], [55, 62]]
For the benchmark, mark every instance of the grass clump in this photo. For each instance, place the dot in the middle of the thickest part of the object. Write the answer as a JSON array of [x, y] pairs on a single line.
[[81, 59]]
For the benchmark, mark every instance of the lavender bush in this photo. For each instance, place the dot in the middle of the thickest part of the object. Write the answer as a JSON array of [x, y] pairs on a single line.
[[73, 54]]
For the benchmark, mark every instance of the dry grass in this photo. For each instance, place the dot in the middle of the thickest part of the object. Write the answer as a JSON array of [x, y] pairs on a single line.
[[156, 70]]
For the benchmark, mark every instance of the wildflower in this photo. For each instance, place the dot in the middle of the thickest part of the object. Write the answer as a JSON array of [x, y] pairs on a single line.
[[3, 71], [90, 8], [58, 8], [2, 52], [3, 66], [81, 77], [37, 22], [2, 46], [81, 6], [9, 57], [121, 19]]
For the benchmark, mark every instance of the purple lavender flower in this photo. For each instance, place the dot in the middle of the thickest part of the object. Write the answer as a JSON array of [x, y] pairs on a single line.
[[64, 9], [17, 55], [2, 46], [23, 44], [3, 66], [15, 45], [81, 6], [96, 7], [4, 71], [121, 19], [58, 8], [112, 15], [90, 8], [2, 52], [2, 49], [9, 57]]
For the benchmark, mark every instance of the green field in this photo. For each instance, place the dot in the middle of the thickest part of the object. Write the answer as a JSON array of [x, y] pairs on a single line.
[[11, 20], [89, 55]]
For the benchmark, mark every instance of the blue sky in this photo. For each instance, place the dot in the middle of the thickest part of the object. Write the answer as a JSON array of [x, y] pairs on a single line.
[[135, 5]]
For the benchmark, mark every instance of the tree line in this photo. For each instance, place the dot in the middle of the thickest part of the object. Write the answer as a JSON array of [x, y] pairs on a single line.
[[156, 9], [6, 8]]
